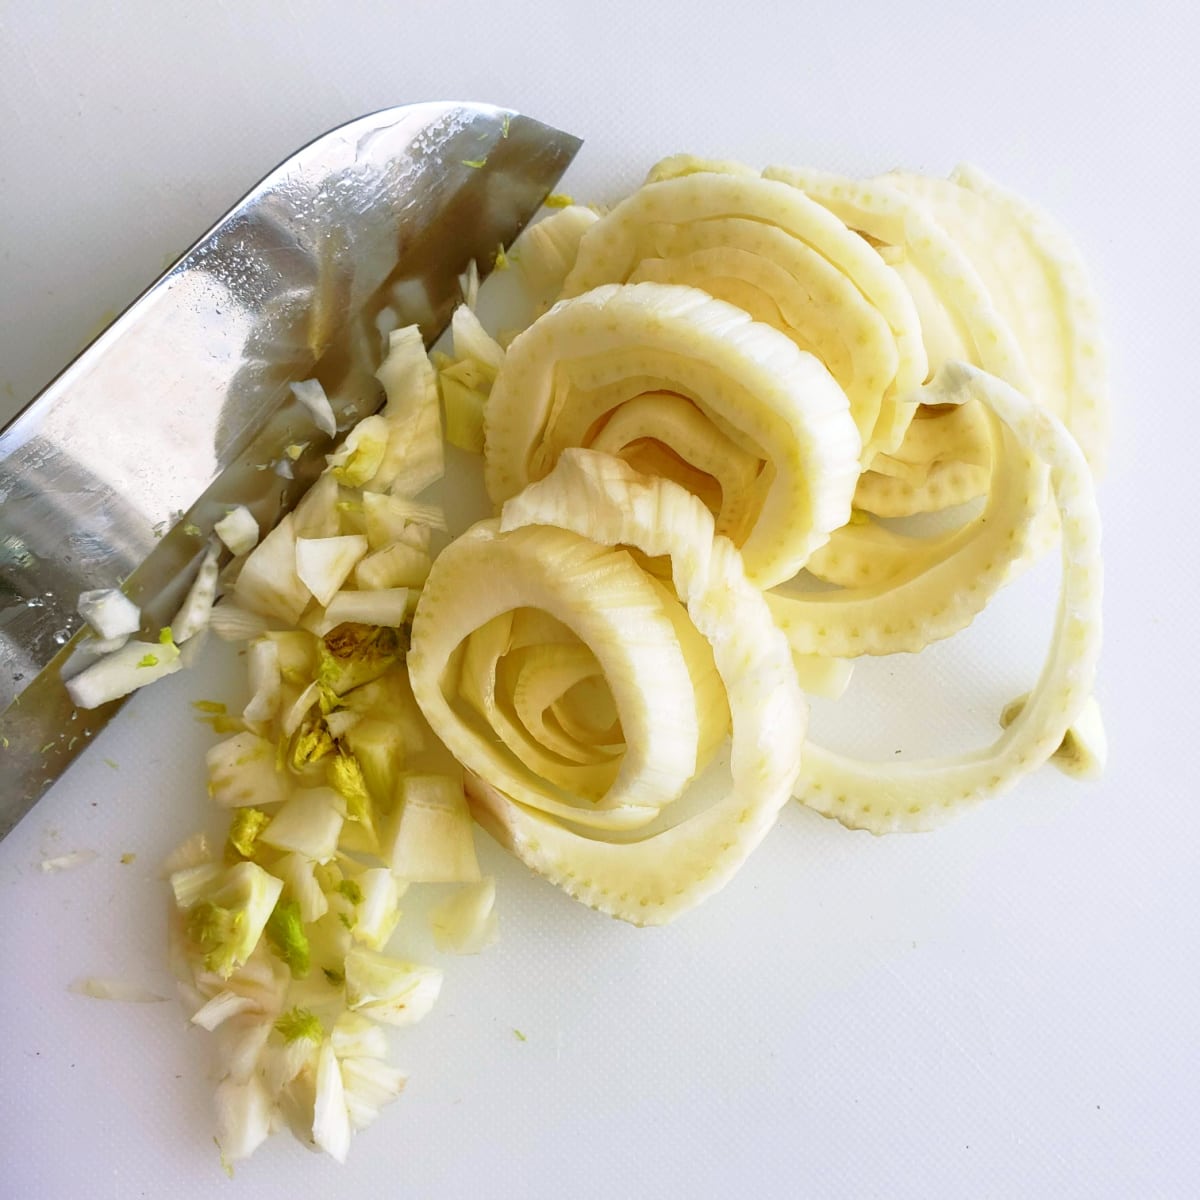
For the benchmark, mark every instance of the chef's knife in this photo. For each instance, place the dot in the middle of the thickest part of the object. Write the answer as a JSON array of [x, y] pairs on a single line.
[[115, 473]]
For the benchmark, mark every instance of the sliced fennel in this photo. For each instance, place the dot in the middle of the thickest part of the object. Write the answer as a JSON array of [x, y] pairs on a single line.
[[890, 796], [746, 393]]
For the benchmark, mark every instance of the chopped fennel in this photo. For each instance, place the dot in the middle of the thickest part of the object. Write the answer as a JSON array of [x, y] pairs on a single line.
[[122, 990], [238, 530], [67, 862], [109, 612], [615, 672], [311, 394]]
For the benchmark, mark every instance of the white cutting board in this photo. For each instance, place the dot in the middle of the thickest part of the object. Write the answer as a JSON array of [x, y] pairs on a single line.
[[1004, 1008]]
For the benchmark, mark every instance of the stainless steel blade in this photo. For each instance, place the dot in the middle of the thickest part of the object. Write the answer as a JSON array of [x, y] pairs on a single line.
[[181, 408]]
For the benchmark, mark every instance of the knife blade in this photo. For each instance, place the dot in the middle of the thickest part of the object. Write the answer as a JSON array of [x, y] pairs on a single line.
[[181, 408]]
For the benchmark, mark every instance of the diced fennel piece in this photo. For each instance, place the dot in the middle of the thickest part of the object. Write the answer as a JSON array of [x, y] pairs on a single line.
[[109, 612], [396, 566], [297, 871], [331, 1128], [465, 922], [786, 260], [630, 633], [379, 745], [266, 681], [194, 612], [389, 990], [902, 796], [190, 883], [238, 530], [472, 341], [243, 1117], [224, 926], [752, 387], [388, 517], [379, 909], [378, 606], [354, 1036], [268, 583], [415, 456], [308, 823], [1083, 752], [311, 394], [221, 1008], [241, 1046], [123, 671], [464, 388], [232, 623], [193, 851], [324, 564], [546, 250], [317, 514], [433, 840], [360, 455], [242, 771], [652, 880], [121, 990], [369, 1085]]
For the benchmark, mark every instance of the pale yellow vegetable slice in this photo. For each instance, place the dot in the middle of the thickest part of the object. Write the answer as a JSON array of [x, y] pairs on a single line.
[[465, 922], [1040, 287], [242, 772], [588, 356], [944, 582], [774, 236], [268, 583], [887, 797], [1083, 752], [433, 841], [652, 880], [415, 457], [630, 634], [546, 251], [323, 564]]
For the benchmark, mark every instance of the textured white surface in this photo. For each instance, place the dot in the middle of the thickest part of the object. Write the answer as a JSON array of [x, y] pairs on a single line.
[[1004, 1008]]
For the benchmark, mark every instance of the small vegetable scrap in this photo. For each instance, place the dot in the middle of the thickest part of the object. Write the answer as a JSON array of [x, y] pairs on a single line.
[[698, 453]]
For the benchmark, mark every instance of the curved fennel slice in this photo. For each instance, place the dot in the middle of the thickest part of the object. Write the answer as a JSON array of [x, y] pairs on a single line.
[[888, 797], [654, 879], [1040, 287], [782, 257], [595, 368]]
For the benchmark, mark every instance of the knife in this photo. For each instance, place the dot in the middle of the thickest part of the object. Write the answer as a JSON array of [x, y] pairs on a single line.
[[180, 408]]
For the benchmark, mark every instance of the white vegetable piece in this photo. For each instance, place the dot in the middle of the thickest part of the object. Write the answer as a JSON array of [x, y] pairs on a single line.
[[109, 612], [323, 564], [242, 771], [312, 395], [298, 873], [746, 393], [266, 682], [376, 606], [388, 990], [331, 1129], [238, 530], [194, 613], [309, 823], [901, 796], [415, 455], [378, 912], [243, 1118], [652, 880], [123, 671], [268, 583], [121, 990], [465, 922], [433, 840], [369, 1085]]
